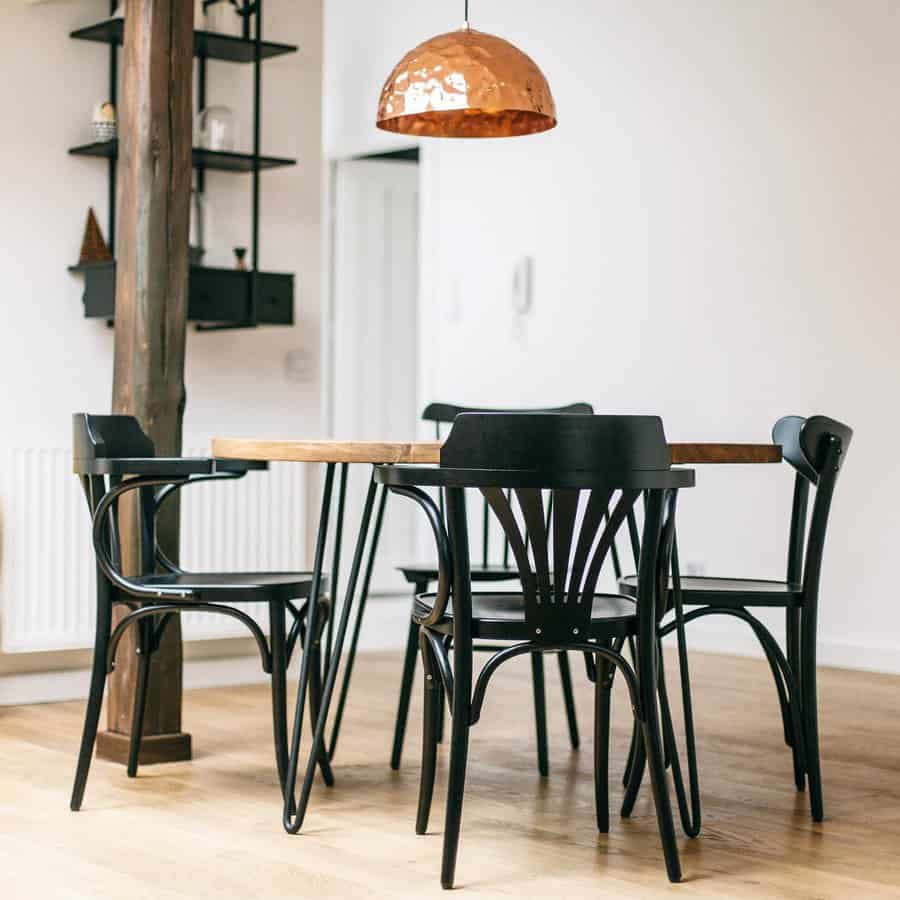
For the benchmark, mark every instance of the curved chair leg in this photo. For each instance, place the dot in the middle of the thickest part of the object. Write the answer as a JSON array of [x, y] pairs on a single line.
[[648, 751], [432, 712], [145, 657], [689, 807], [540, 712], [635, 772], [629, 759], [456, 780], [95, 698], [315, 700], [279, 688], [442, 713], [786, 696], [789, 699], [658, 782], [792, 631], [792, 642], [442, 702], [786, 680], [406, 685], [602, 697], [565, 677], [810, 711], [635, 730]]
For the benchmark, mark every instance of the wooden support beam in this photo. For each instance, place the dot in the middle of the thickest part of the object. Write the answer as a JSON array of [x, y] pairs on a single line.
[[155, 125]]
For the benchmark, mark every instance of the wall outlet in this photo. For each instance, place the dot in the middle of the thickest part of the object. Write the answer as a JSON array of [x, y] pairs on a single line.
[[298, 366]]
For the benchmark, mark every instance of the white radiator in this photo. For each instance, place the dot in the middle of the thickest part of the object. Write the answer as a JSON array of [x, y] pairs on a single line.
[[47, 566]]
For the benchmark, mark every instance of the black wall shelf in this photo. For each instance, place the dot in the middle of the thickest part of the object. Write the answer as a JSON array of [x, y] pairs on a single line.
[[207, 44], [219, 160], [218, 298]]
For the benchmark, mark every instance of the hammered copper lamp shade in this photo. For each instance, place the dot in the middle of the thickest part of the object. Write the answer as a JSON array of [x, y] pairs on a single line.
[[466, 84]]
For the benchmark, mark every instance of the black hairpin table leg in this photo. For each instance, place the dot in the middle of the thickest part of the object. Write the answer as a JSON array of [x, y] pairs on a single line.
[[309, 635], [357, 626], [293, 820]]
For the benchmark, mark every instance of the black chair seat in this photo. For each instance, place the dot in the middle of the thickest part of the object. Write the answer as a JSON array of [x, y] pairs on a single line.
[[501, 617], [235, 587], [425, 574], [731, 592]]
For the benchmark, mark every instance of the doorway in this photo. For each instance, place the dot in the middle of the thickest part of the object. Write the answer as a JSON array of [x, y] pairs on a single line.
[[373, 333]]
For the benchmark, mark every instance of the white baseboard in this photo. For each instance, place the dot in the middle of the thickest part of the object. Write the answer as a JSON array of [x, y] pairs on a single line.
[[385, 629], [734, 638]]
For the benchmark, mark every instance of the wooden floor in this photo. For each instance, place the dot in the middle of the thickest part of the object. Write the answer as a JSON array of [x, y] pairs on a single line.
[[211, 828]]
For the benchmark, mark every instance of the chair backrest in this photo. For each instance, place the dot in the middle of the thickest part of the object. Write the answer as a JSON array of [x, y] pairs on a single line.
[[446, 413], [596, 468], [442, 414], [107, 437], [816, 448]]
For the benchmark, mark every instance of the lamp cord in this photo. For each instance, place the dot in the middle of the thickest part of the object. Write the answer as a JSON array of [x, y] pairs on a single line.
[[467, 11]]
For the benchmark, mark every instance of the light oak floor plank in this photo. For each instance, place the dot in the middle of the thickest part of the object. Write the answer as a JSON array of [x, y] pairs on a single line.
[[211, 827]]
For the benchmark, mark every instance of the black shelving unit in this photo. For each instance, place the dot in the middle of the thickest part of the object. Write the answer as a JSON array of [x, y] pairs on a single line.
[[220, 160], [207, 44], [218, 298]]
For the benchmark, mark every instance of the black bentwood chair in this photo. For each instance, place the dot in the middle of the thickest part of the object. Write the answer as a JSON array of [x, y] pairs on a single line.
[[816, 448], [113, 456], [606, 461], [422, 576]]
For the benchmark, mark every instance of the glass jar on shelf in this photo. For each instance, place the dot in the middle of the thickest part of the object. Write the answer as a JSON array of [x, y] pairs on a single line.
[[217, 129], [224, 17]]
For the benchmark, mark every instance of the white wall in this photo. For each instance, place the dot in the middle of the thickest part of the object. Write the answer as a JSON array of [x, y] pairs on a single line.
[[715, 227], [53, 361]]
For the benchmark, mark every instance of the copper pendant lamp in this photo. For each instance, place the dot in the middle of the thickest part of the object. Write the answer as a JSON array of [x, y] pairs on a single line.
[[466, 84]]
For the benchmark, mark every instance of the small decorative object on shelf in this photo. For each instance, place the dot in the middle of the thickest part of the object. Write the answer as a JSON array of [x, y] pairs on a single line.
[[224, 17], [216, 129], [93, 247], [240, 259], [103, 123]]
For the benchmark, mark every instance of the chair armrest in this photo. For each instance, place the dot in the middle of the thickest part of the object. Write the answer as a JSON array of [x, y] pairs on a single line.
[[99, 536], [230, 474], [161, 467], [445, 559], [240, 465]]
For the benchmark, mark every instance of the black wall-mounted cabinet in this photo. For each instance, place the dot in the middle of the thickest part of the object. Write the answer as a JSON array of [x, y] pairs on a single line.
[[218, 298]]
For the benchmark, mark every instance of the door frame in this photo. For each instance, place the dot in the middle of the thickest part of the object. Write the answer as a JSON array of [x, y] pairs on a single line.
[[329, 262]]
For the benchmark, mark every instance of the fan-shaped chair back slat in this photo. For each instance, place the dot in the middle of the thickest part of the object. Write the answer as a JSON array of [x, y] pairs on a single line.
[[613, 523], [558, 584], [594, 514], [500, 504], [444, 414], [565, 515], [532, 505]]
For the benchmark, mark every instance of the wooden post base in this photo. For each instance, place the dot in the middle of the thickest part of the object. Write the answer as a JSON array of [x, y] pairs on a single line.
[[155, 748]]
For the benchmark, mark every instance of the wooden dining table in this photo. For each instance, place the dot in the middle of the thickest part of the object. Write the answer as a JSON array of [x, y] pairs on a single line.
[[335, 453], [429, 452]]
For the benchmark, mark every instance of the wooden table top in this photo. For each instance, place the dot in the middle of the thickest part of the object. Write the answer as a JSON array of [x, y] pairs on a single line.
[[423, 452]]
